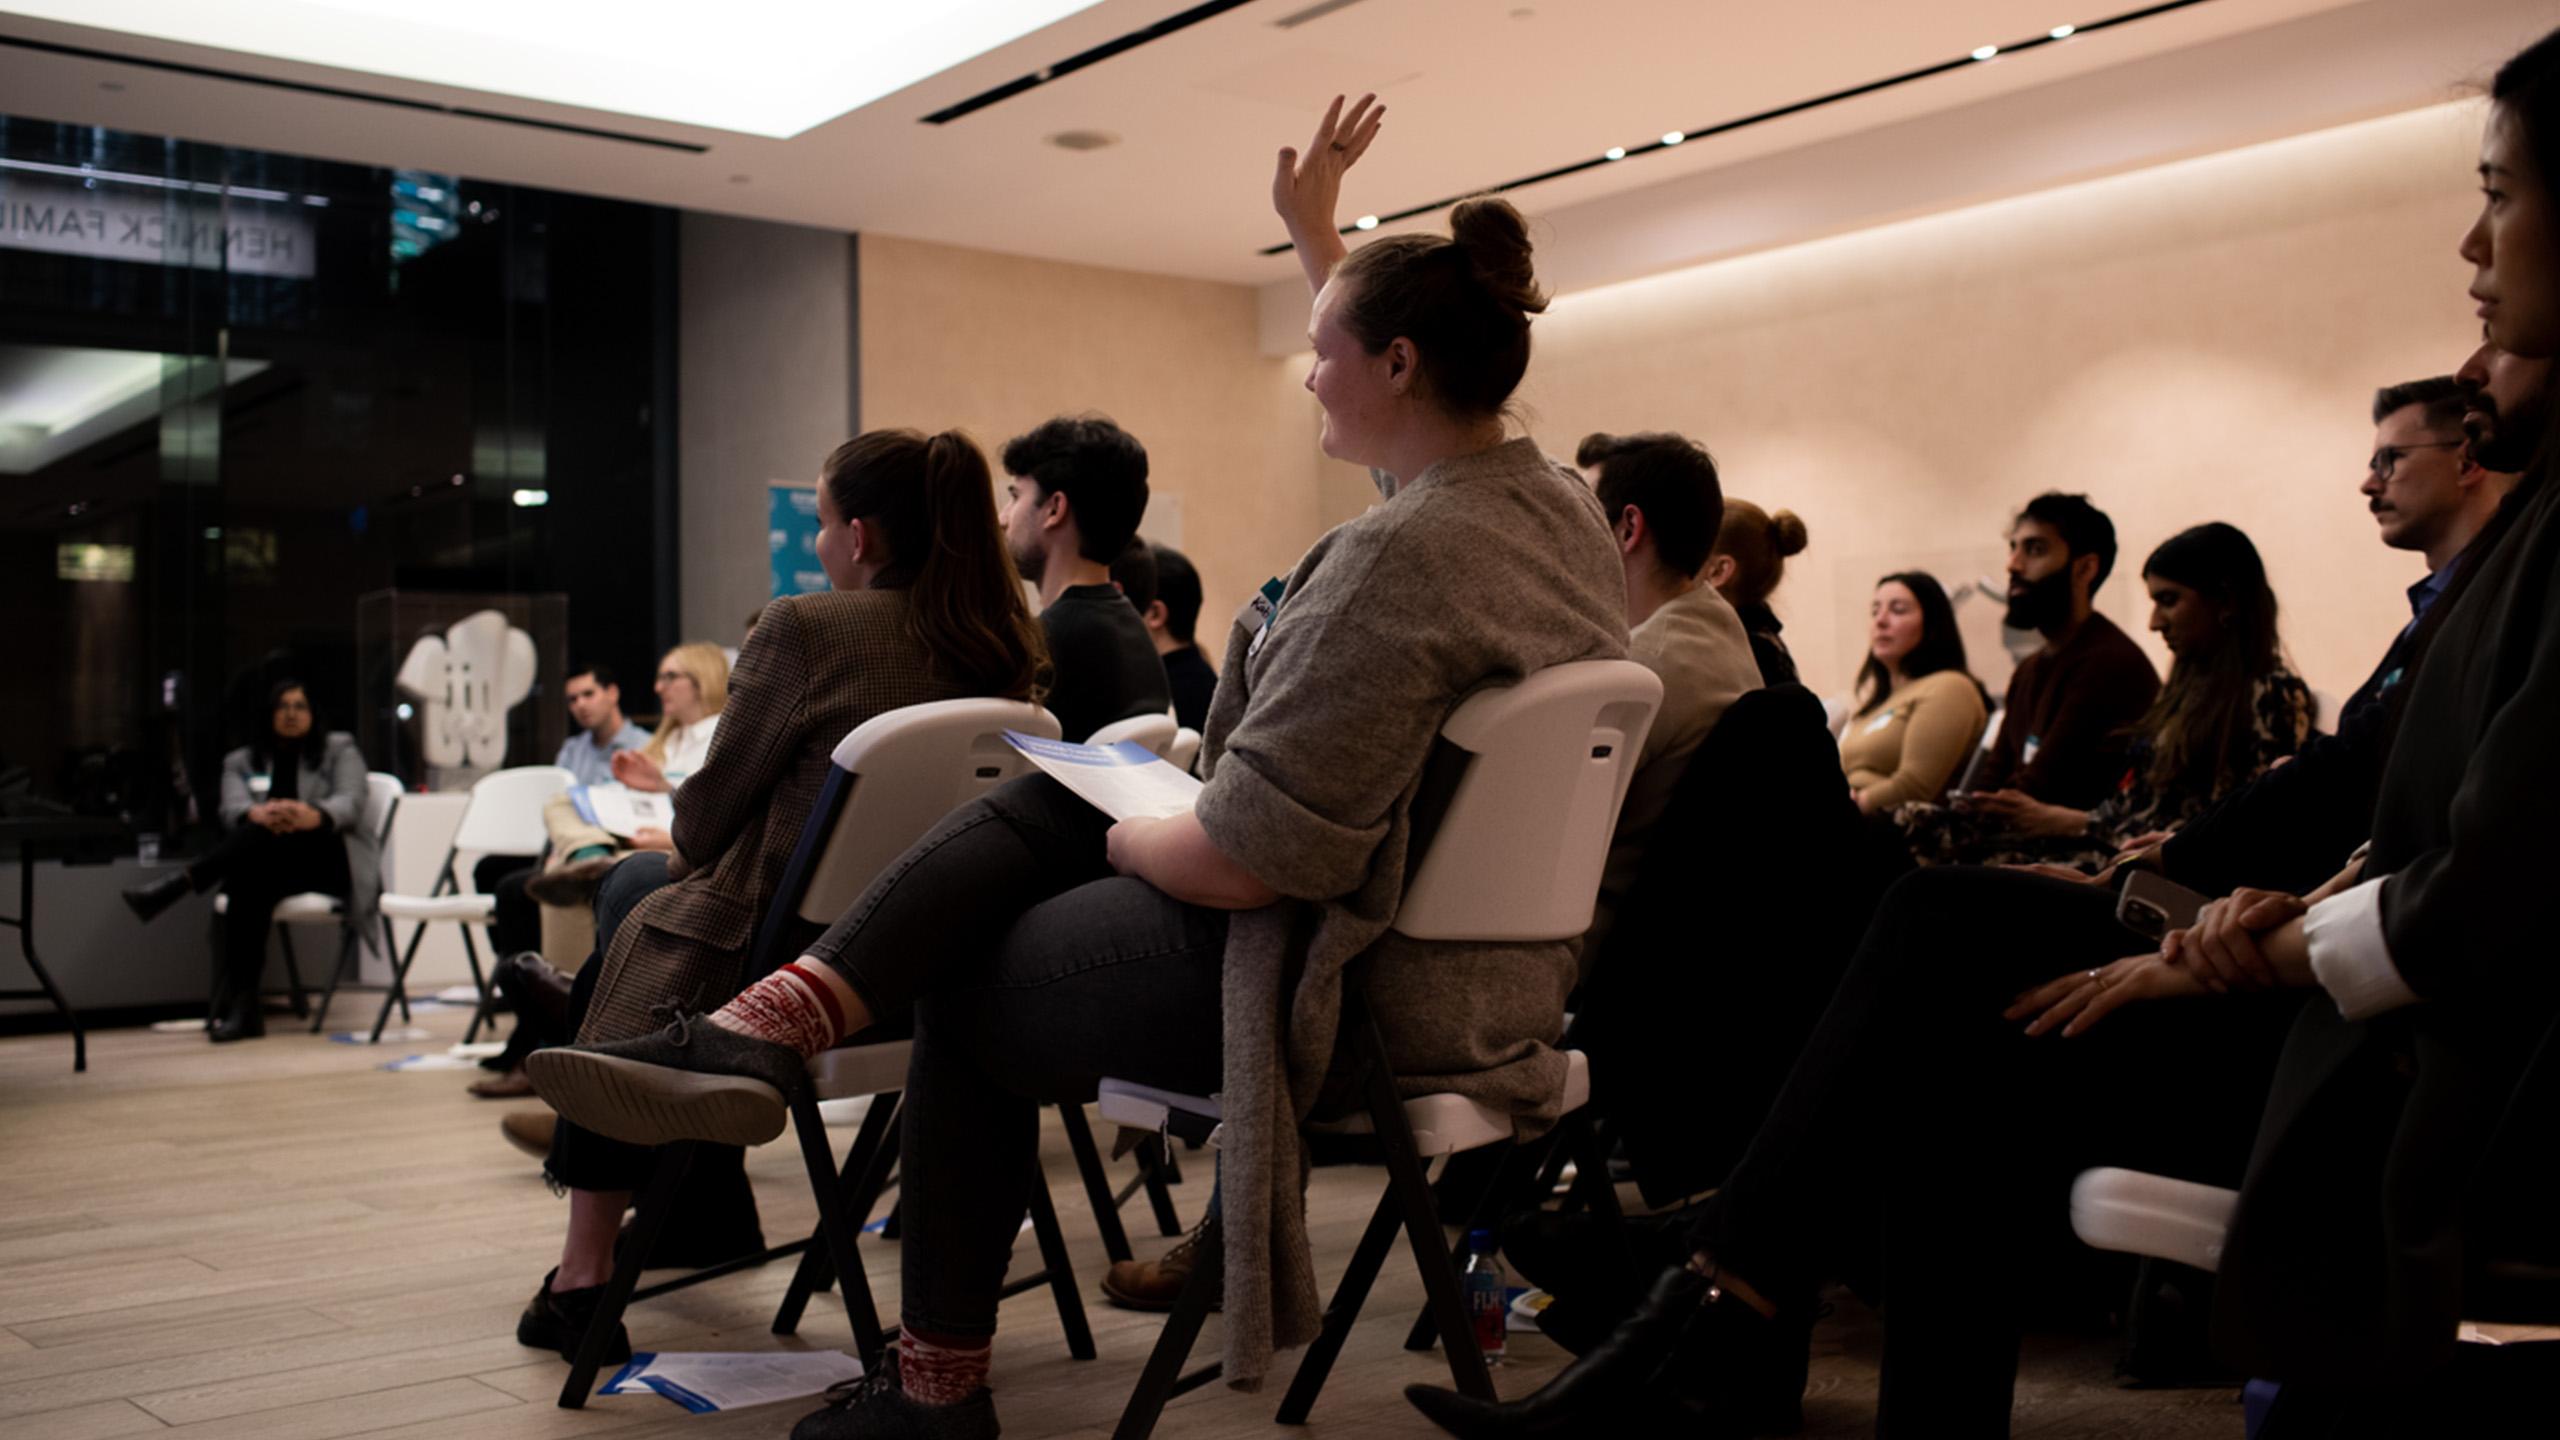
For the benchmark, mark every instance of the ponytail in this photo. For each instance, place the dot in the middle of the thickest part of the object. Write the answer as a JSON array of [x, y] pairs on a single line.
[[932, 503]]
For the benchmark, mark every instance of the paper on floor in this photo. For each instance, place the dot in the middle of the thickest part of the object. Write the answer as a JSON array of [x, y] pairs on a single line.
[[708, 1381]]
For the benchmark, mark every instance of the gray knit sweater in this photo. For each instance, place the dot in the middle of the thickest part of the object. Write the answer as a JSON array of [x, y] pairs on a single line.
[[1479, 571]]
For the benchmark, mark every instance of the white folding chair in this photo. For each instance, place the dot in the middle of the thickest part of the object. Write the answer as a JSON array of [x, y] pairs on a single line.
[[892, 780], [1533, 776], [1156, 732], [503, 817], [381, 804], [1184, 752], [314, 907]]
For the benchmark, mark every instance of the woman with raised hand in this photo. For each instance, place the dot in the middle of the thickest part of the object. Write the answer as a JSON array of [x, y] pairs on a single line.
[[1923, 1140], [1043, 947]]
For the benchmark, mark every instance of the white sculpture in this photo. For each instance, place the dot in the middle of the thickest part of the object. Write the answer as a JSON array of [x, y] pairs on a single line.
[[465, 681]]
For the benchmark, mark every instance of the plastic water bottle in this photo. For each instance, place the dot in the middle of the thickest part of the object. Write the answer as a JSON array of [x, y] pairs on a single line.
[[1487, 1289]]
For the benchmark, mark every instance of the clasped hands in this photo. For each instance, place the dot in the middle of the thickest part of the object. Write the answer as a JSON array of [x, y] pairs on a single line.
[[2248, 940], [285, 817]]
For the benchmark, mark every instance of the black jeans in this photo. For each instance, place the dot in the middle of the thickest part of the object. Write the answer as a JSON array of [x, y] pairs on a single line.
[[1035, 972], [582, 1159], [1923, 1139], [517, 924], [257, 867]]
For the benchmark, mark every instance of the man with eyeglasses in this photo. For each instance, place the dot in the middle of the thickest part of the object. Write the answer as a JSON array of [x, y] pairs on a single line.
[[2423, 485]]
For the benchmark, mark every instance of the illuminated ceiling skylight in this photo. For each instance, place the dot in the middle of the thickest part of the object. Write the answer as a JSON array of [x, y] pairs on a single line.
[[759, 67]]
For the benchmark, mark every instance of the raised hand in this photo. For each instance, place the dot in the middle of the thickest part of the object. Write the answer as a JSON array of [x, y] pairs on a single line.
[[1308, 186]]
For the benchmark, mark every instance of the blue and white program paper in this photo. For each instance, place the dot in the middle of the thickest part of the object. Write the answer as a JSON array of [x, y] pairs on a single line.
[[1126, 781], [706, 1382]]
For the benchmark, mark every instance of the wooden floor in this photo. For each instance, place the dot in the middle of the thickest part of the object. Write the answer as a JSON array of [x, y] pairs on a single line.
[[278, 1240]]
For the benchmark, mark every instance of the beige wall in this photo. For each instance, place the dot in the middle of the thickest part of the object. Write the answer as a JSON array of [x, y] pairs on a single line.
[[2195, 342], [994, 344]]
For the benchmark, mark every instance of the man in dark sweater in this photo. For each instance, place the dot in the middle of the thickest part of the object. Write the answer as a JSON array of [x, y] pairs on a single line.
[[1171, 619], [1075, 490], [2062, 739]]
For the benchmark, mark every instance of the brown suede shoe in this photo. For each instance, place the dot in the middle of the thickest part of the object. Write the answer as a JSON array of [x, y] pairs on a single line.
[[1154, 1285], [529, 1131], [514, 1085], [572, 884]]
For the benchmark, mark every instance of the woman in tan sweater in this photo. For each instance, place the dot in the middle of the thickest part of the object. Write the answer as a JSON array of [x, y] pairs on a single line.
[[1923, 711]]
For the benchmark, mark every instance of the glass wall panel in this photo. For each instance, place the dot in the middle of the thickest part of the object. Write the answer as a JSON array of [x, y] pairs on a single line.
[[241, 392]]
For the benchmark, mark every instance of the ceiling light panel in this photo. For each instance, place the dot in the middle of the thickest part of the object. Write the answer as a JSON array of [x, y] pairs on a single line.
[[759, 67]]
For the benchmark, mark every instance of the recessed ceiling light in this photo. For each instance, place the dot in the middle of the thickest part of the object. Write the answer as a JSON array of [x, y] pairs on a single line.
[[2063, 32], [1614, 152], [766, 67], [1365, 222], [1985, 52], [1673, 137]]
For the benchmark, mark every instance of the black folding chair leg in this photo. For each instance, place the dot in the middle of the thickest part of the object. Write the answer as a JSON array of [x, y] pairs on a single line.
[[841, 1230], [866, 1166], [484, 1010], [347, 952], [1348, 1296], [1053, 1260], [1163, 1378], [1155, 1165], [1097, 1183], [656, 1205], [293, 973], [399, 990]]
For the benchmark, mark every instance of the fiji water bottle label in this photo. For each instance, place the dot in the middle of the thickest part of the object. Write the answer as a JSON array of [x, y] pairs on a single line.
[[1489, 1311]]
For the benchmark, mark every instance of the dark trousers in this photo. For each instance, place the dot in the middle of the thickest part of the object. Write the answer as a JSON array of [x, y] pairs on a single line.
[[257, 867], [1034, 972], [1924, 1140], [517, 925]]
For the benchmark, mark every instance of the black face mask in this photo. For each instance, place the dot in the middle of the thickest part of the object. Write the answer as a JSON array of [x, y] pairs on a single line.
[[2043, 604]]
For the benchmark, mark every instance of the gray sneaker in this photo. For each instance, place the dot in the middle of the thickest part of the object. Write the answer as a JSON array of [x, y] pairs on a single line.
[[875, 1408], [690, 1081]]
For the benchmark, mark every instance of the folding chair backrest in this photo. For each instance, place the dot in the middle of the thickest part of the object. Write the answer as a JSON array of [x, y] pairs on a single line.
[[505, 813], [1156, 732], [890, 781], [1184, 752], [381, 797], [1517, 852]]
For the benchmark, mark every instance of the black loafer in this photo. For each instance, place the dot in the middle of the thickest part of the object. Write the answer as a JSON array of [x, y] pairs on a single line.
[[558, 1320], [690, 1081], [876, 1408]]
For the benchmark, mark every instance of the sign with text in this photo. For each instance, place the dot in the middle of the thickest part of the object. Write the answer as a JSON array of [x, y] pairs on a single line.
[[166, 228], [791, 534]]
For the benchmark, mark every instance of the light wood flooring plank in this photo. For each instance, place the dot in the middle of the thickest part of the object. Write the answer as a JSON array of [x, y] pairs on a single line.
[[281, 1241]]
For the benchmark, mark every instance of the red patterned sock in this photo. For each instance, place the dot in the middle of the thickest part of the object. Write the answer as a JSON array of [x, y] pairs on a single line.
[[941, 1369], [792, 1006]]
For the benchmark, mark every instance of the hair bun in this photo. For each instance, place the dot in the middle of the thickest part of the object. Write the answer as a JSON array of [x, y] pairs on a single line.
[[1496, 241], [1786, 534]]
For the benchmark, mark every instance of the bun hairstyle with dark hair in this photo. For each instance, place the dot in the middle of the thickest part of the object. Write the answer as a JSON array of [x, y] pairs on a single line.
[[1464, 303], [1758, 543], [932, 502]]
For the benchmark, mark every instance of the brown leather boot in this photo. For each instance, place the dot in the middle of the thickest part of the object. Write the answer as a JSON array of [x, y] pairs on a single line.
[[1153, 1285]]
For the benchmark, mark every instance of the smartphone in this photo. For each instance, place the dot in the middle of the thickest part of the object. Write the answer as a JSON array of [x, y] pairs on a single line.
[[2151, 905]]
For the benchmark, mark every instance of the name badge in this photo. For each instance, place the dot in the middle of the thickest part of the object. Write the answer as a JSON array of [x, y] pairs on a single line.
[[1265, 608], [259, 785], [2027, 753], [1880, 722]]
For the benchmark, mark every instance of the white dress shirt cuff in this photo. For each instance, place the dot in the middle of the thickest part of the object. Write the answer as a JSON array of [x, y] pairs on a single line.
[[2350, 956]]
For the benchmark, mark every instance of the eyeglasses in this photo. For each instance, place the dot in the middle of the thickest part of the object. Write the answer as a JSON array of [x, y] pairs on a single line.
[[2388, 458], [669, 677]]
